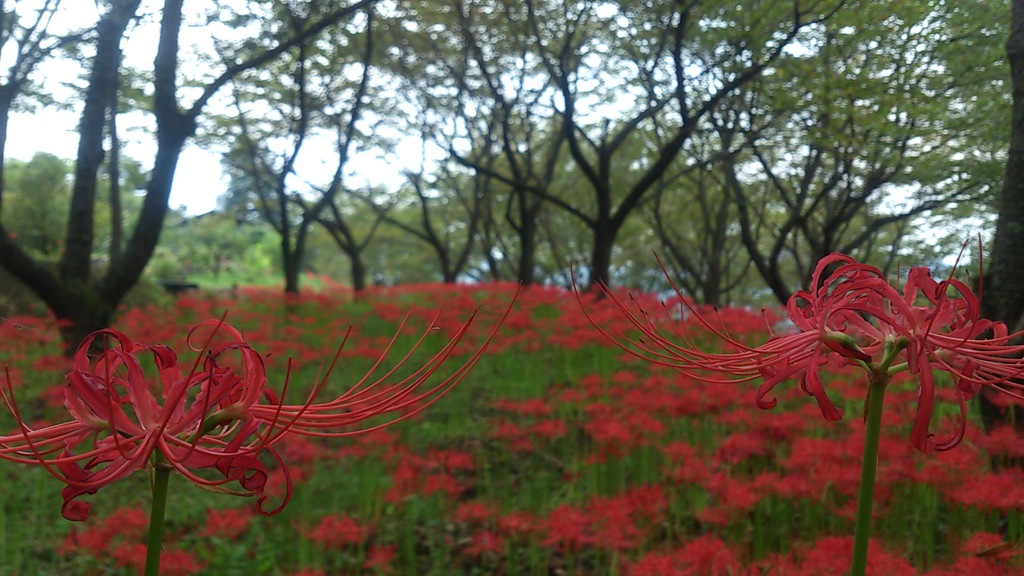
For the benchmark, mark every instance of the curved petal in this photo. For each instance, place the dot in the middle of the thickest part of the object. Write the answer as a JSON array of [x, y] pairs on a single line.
[[920, 436]]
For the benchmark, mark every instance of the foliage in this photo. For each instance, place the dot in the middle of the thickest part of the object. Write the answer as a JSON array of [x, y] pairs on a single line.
[[742, 142], [216, 250], [82, 300], [35, 208], [314, 95], [36, 199], [871, 125]]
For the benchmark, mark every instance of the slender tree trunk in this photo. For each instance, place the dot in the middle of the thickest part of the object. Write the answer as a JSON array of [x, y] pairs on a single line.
[[6, 95], [290, 264], [528, 256], [358, 271], [140, 246], [103, 82], [601, 255], [529, 209]]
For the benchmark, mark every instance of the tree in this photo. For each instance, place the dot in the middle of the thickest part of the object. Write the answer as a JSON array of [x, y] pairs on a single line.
[[448, 211], [351, 241], [215, 247], [502, 107], [1003, 297], [873, 127], [35, 207], [82, 302], [694, 219], [279, 112], [663, 68]]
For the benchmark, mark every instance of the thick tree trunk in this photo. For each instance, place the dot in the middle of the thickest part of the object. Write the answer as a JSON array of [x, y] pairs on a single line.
[[712, 284], [449, 276], [78, 322], [1003, 297]]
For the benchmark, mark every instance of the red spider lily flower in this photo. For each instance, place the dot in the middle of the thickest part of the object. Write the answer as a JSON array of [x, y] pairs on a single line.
[[852, 316], [213, 423]]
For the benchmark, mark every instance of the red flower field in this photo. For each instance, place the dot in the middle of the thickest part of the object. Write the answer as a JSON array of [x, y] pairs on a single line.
[[558, 454]]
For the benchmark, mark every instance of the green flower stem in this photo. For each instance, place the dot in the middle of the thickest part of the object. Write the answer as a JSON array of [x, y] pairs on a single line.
[[877, 380], [161, 477]]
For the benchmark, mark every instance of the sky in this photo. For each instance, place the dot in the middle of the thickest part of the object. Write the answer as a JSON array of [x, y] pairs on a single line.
[[197, 183], [199, 180]]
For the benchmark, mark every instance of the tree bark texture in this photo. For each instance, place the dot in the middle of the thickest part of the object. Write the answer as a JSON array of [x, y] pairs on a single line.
[[1003, 296]]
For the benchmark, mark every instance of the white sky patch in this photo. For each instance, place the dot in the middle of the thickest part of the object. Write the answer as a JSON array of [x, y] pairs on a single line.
[[199, 179], [50, 131]]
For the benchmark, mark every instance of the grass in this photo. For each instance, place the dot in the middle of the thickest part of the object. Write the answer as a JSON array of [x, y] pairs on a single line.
[[558, 455]]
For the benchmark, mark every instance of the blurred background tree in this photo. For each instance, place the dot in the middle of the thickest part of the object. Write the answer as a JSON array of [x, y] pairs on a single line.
[[383, 142], [82, 296]]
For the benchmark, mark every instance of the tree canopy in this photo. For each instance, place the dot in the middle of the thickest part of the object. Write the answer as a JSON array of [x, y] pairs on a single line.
[[385, 141]]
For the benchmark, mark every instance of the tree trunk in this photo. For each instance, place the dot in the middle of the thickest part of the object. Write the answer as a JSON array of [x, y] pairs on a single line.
[[601, 255], [358, 271], [529, 209], [114, 181], [290, 265], [77, 322], [448, 275], [1003, 298], [102, 89], [528, 255], [146, 234], [712, 284]]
